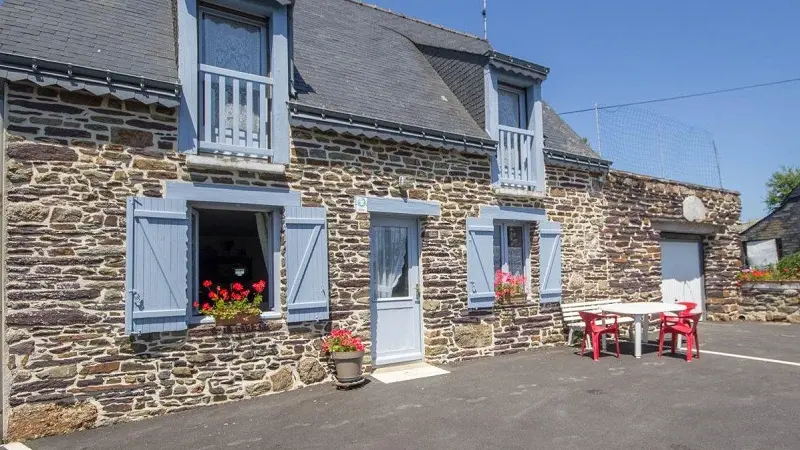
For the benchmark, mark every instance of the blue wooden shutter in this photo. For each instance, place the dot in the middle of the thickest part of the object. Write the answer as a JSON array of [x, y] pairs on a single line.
[[549, 262], [156, 297], [480, 262], [306, 264]]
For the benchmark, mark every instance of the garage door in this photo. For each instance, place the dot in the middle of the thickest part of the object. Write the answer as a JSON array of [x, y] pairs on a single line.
[[682, 272]]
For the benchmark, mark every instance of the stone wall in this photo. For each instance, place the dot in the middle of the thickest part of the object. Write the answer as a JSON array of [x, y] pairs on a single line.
[[74, 159], [631, 238], [768, 301], [783, 224]]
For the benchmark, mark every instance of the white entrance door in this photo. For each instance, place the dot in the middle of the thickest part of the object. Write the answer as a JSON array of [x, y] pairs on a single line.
[[682, 273], [394, 284]]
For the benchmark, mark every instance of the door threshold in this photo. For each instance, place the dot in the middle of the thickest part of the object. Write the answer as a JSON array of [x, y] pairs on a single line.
[[406, 371]]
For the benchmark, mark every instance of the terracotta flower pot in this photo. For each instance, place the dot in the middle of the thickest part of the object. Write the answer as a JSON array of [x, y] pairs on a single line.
[[239, 319], [348, 365]]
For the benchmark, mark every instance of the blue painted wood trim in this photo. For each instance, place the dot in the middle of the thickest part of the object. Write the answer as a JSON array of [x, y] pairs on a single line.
[[383, 205], [537, 126], [550, 288], [128, 266], [243, 195], [279, 28], [189, 110], [514, 213], [492, 113]]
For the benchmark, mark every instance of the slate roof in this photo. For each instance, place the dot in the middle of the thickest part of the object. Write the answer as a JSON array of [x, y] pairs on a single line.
[[794, 194], [559, 136], [126, 37], [377, 70], [350, 58]]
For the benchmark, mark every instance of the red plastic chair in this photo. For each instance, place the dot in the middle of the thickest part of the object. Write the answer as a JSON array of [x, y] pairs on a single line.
[[674, 318], [594, 330], [685, 326]]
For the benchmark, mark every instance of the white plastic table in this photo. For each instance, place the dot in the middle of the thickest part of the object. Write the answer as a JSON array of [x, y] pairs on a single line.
[[637, 310]]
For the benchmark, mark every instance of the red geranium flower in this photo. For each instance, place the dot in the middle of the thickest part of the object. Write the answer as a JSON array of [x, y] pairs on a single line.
[[196, 304], [237, 287], [207, 284], [259, 286]]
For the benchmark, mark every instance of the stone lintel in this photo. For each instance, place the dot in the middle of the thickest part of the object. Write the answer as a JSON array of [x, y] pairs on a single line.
[[233, 163], [685, 227]]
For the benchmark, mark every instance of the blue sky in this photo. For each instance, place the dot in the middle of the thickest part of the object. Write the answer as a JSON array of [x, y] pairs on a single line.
[[628, 50]]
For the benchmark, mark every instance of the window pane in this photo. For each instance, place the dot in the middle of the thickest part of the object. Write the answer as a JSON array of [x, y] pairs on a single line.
[[516, 259], [390, 261], [498, 252], [233, 45], [509, 108]]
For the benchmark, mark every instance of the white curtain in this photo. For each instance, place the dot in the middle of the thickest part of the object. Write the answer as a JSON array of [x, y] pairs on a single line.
[[235, 45], [262, 222], [388, 259]]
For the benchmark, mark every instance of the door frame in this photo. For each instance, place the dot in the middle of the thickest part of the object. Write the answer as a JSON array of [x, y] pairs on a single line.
[[418, 293], [693, 239]]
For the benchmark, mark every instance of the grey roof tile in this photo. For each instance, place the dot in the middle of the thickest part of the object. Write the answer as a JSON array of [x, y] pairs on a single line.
[[349, 57], [355, 58], [135, 37], [558, 135]]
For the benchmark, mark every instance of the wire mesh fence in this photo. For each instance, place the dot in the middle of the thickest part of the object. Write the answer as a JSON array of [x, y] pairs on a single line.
[[642, 141]]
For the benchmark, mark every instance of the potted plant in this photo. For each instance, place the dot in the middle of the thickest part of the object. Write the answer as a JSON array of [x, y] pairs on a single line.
[[233, 305], [509, 289], [347, 353]]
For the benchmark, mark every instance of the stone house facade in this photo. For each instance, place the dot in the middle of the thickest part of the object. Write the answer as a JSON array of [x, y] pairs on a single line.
[[778, 232], [88, 163]]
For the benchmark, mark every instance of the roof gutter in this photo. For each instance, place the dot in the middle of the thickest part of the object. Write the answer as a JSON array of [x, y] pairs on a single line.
[[99, 82], [558, 156], [369, 126]]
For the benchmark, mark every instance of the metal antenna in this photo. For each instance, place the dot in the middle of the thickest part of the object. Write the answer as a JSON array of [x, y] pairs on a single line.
[[485, 35]]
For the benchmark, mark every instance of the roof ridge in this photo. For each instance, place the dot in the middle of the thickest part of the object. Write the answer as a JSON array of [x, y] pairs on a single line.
[[424, 22]]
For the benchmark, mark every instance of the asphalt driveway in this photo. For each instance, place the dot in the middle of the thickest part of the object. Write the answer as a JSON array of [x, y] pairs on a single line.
[[538, 399]]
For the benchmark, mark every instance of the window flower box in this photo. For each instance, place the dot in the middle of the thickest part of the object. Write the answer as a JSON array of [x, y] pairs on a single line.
[[509, 289], [233, 305]]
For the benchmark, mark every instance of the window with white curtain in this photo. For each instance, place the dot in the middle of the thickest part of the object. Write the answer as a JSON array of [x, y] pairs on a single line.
[[512, 103], [512, 248], [234, 48]]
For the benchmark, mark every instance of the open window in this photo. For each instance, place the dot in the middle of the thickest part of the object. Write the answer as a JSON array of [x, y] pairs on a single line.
[[232, 246]]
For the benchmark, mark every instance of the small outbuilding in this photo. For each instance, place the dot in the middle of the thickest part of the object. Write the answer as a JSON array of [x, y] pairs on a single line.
[[776, 235]]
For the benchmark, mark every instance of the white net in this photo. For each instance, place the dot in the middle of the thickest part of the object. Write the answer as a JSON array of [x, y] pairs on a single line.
[[645, 142]]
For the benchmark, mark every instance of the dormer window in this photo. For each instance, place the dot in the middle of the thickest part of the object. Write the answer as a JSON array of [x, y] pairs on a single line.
[[233, 63], [514, 119], [234, 84]]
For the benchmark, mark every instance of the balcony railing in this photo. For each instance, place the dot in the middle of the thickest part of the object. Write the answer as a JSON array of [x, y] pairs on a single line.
[[516, 159], [235, 112]]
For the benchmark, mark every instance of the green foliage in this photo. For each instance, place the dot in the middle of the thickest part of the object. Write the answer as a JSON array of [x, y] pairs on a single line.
[[788, 268], [780, 185], [789, 264]]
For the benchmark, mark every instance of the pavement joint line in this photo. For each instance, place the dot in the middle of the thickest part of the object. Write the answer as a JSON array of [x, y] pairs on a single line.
[[734, 355]]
